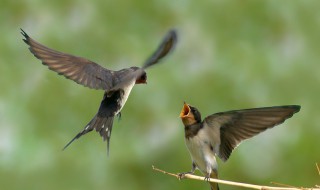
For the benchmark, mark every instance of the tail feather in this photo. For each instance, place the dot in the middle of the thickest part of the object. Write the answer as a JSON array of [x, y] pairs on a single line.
[[214, 186], [86, 130], [103, 125], [104, 129], [77, 136]]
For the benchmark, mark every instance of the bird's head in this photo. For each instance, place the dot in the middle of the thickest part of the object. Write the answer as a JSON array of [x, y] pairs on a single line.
[[142, 77], [189, 115]]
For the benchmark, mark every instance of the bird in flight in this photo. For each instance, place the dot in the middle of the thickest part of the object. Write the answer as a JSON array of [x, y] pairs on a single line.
[[116, 84], [220, 133]]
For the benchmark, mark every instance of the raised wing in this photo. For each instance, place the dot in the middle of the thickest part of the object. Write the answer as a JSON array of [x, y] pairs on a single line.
[[78, 69], [128, 76], [166, 46], [238, 125]]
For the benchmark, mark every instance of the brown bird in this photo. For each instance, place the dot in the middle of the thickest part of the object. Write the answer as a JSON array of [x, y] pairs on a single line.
[[218, 134], [116, 84]]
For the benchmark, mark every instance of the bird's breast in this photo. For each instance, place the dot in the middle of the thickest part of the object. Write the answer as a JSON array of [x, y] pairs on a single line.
[[201, 152], [126, 92]]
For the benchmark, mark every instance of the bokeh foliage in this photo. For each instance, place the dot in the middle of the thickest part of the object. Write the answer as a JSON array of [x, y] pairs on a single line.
[[230, 55]]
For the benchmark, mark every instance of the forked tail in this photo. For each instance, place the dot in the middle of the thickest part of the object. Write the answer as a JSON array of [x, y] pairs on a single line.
[[103, 125]]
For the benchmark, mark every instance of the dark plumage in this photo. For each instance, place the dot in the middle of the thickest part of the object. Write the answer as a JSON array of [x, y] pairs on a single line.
[[116, 84], [220, 133]]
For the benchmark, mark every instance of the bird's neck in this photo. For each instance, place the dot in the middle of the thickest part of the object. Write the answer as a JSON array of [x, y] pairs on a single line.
[[192, 130]]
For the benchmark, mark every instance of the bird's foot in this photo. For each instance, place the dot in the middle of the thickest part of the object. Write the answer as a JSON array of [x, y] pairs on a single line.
[[182, 175], [207, 178]]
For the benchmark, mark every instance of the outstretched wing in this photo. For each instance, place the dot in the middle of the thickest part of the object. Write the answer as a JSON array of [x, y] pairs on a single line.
[[238, 125], [166, 46], [78, 69], [127, 78]]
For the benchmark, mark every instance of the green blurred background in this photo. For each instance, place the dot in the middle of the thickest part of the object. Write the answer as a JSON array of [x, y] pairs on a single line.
[[230, 55]]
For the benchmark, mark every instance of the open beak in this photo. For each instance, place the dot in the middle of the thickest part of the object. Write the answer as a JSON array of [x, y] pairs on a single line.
[[185, 111]]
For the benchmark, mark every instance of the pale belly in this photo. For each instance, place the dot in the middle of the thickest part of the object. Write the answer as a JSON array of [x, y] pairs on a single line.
[[201, 154], [126, 94]]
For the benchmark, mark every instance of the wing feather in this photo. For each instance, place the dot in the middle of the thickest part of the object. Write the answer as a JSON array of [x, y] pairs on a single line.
[[166, 46], [238, 125], [78, 69]]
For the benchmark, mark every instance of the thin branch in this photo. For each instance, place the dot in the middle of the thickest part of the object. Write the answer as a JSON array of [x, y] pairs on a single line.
[[284, 185], [250, 186]]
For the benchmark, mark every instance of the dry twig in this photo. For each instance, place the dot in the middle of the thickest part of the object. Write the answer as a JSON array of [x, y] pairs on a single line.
[[250, 186]]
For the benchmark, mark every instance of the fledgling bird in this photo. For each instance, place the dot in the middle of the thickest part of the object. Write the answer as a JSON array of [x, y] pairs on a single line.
[[218, 134], [116, 84]]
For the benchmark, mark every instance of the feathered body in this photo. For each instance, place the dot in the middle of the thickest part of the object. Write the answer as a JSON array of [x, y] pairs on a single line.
[[116, 84], [219, 134]]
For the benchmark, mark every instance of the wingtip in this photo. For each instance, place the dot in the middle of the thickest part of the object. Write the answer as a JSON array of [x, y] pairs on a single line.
[[298, 107], [173, 32], [25, 35], [173, 35]]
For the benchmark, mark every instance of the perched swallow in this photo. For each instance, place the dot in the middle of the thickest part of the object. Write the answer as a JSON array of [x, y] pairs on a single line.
[[116, 84], [218, 134]]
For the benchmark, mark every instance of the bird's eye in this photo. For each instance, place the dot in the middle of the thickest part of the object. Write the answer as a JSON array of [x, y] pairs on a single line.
[[143, 77]]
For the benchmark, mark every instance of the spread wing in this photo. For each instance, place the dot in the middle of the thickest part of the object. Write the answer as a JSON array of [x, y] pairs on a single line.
[[78, 69], [166, 46], [238, 125]]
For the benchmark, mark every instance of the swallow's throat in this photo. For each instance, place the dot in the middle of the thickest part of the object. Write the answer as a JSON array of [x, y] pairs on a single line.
[[142, 79]]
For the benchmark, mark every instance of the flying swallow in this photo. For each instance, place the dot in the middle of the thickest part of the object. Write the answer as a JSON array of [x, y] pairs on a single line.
[[218, 134], [116, 84]]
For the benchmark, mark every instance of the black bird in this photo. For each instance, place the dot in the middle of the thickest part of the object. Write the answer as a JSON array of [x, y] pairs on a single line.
[[218, 134], [116, 84]]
